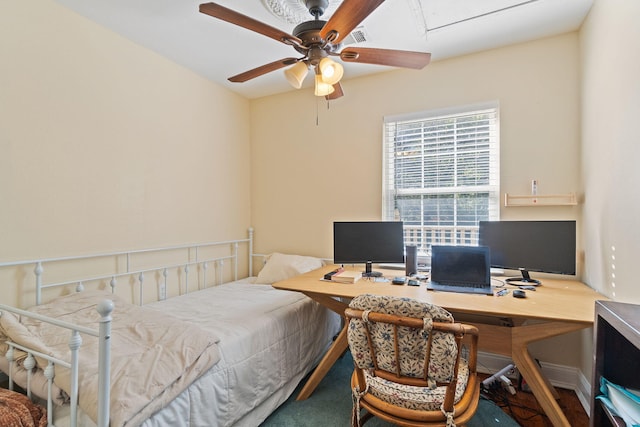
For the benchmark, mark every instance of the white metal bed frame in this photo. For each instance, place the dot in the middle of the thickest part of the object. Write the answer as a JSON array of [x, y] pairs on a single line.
[[105, 309]]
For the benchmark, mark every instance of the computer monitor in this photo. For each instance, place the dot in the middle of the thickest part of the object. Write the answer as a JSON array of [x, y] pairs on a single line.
[[542, 246], [368, 242]]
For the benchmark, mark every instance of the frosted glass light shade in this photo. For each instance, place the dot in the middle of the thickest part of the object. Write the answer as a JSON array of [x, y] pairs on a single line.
[[295, 75], [322, 88], [331, 71]]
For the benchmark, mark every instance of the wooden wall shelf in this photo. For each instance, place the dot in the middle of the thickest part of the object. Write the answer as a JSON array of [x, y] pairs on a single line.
[[540, 200]]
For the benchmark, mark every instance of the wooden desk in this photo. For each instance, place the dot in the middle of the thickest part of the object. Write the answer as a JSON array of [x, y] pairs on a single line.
[[555, 308]]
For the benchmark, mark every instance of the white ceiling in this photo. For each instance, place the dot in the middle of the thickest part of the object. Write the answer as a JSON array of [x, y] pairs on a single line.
[[217, 50]]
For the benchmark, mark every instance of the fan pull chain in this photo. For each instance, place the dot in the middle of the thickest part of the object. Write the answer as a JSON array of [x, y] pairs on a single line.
[[318, 108]]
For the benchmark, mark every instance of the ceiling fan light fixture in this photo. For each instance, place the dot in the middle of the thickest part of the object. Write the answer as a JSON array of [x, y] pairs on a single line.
[[330, 71], [316, 40], [322, 88], [295, 75]]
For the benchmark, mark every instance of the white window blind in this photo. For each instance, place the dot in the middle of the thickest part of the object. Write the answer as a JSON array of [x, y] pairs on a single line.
[[441, 174]]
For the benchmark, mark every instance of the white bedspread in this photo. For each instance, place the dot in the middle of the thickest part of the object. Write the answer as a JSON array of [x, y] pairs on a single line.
[[269, 340], [153, 358]]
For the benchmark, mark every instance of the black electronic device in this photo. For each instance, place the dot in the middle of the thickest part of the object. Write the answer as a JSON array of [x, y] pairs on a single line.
[[399, 280], [411, 260], [330, 274], [368, 242], [519, 293], [460, 269], [541, 246]]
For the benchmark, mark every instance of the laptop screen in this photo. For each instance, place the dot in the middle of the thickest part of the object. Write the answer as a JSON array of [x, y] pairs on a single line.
[[468, 264]]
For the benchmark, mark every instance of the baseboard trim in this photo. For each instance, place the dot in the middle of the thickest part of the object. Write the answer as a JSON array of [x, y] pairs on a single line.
[[567, 377], [583, 391]]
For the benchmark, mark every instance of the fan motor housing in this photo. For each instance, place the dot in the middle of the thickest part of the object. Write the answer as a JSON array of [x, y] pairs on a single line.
[[309, 33]]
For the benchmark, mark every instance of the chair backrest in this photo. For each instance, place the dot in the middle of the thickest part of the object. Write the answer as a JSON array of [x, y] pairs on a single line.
[[404, 340]]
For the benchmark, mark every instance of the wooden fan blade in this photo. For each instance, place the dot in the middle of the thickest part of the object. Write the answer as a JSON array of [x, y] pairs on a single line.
[[347, 17], [264, 69], [244, 21], [394, 58], [337, 92]]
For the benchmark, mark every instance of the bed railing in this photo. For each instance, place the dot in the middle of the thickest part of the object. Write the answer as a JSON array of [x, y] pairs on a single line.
[[104, 350], [181, 259]]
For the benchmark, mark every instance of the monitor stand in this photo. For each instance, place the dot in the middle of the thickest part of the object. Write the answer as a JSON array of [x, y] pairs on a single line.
[[525, 278], [368, 272]]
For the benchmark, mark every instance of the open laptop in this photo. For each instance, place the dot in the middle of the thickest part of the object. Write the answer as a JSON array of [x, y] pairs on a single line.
[[463, 269]]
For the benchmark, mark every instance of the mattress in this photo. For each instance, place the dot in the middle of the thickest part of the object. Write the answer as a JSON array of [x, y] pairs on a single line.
[[269, 340]]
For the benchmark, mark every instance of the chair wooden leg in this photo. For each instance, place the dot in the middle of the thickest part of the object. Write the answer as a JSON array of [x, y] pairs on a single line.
[[366, 417]]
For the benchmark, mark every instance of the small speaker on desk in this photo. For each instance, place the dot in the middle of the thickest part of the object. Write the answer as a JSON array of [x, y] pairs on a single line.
[[411, 260]]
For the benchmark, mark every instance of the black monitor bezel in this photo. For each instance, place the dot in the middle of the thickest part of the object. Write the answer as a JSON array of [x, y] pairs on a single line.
[[558, 259], [371, 234]]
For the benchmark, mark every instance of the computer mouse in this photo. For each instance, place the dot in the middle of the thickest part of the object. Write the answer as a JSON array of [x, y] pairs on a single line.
[[519, 294]]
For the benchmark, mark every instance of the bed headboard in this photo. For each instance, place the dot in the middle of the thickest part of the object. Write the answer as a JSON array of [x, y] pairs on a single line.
[[172, 269]]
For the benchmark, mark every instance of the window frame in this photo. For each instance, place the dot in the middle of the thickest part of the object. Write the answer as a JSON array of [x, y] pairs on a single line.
[[424, 237]]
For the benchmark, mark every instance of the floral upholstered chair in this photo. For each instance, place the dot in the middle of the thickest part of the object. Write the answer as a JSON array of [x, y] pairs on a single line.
[[409, 363]]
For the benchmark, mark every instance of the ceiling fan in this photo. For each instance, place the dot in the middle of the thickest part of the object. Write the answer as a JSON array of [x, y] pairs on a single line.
[[317, 41]]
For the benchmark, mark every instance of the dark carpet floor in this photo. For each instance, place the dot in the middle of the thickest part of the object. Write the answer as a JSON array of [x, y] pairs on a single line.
[[330, 405]]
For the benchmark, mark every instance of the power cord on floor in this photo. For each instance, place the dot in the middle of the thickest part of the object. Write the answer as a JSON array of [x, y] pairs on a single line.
[[499, 389], [502, 399], [500, 378]]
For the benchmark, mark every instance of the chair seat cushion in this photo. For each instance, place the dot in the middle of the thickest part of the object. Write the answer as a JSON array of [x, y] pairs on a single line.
[[416, 398]]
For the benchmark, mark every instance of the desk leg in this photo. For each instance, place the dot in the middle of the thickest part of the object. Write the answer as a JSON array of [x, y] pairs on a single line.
[[522, 336], [328, 301], [336, 350]]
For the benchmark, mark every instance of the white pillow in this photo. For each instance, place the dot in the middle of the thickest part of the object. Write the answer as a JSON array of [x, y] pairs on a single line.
[[282, 266]]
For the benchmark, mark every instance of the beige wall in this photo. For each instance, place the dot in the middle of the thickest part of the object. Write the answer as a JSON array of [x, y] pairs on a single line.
[[305, 176], [611, 146], [106, 146], [610, 66]]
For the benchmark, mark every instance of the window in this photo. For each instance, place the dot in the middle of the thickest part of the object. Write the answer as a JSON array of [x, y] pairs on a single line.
[[441, 174]]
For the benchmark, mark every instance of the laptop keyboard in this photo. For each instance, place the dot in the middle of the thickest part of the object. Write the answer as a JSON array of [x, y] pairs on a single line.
[[465, 285], [462, 287]]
